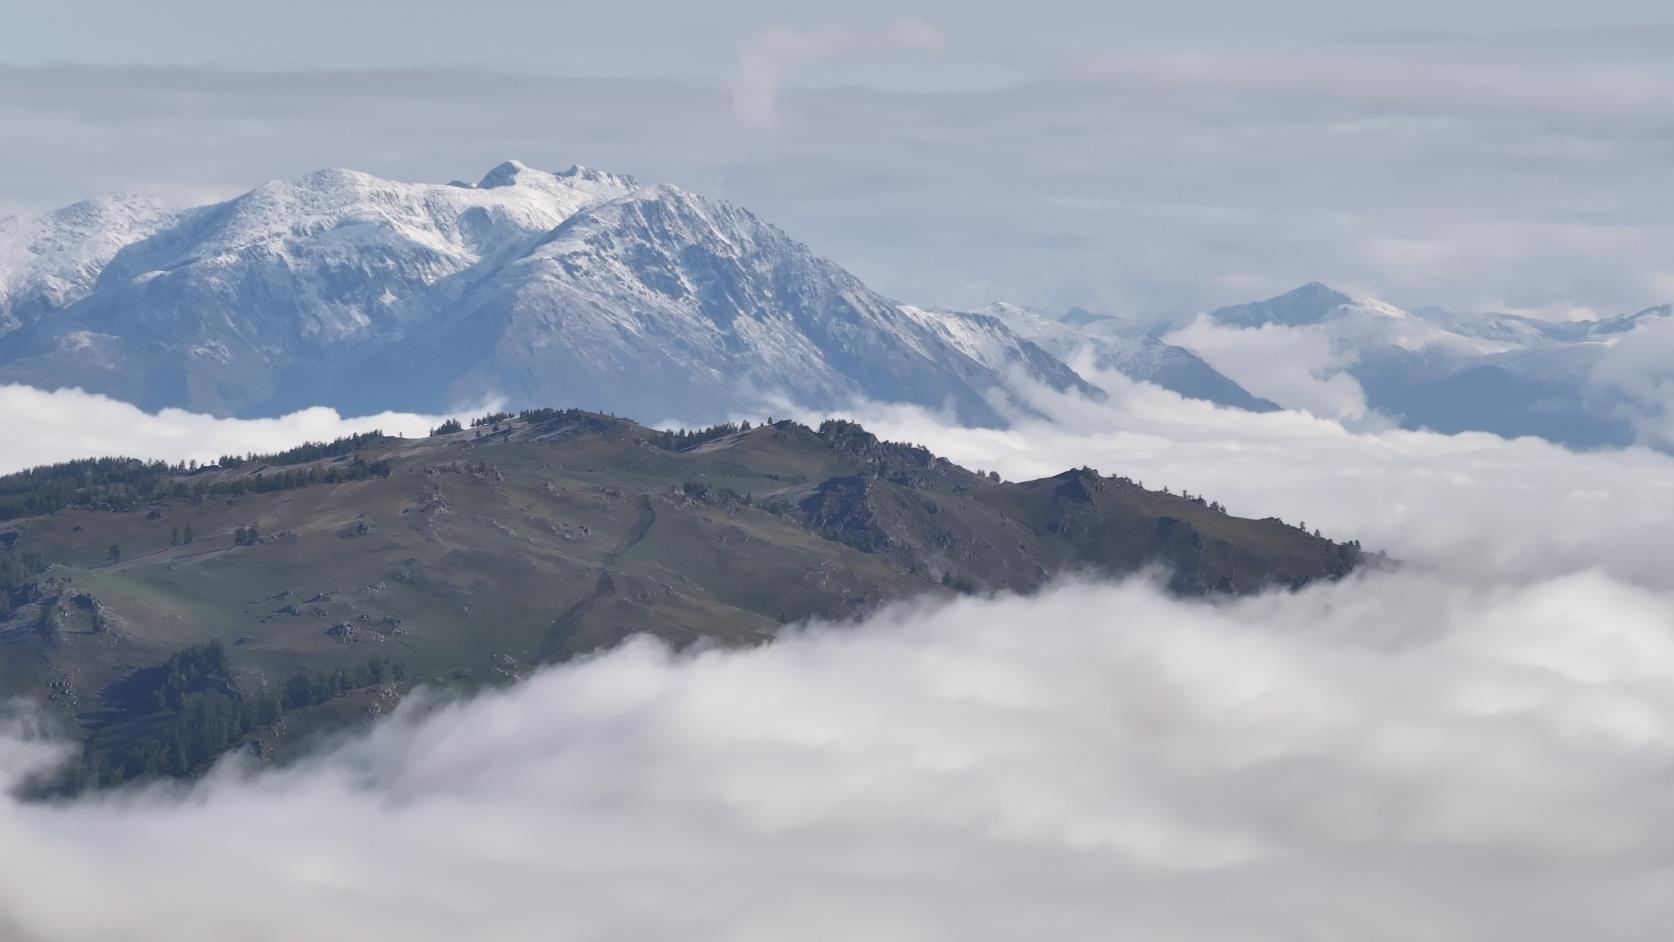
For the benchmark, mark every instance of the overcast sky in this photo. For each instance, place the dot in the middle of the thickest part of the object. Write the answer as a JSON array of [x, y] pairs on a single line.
[[666, 39], [1134, 158]]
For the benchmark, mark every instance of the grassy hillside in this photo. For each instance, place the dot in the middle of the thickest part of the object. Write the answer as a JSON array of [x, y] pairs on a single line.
[[475, 555]]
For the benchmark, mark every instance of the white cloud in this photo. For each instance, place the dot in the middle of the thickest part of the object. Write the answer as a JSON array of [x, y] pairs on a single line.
[[1636, 372], [1297, 367], [47, 427], [1475, 504], [1400, 758], [1473, 746]]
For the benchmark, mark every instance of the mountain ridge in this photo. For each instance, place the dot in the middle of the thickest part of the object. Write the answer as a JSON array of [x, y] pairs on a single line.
[[339, 288], [482, 552]]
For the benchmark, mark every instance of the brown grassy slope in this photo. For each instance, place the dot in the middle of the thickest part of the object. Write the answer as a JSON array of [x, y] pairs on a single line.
[[485, 553]]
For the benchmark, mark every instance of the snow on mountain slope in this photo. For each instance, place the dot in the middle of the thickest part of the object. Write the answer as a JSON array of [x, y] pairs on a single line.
[[991, 341], [577, 287], [1364, 326], [1576, 383], [672, 301], [1627, 322], [345, 251], [1513, 330], [50, 260], [1114, 345]]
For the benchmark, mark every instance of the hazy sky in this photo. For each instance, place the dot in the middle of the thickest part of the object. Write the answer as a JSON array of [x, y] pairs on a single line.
[[1137, 158], [662, 38]]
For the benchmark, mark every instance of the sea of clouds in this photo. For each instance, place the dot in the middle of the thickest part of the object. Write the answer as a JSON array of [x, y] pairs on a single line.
[[1475, 744]]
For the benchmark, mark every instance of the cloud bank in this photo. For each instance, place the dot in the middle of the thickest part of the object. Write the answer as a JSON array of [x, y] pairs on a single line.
[[48, 427], [1297, 367], [1473, 746], [1475, 505], [1403, 757]]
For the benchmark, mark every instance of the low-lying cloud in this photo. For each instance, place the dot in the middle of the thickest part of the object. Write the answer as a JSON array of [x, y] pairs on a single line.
[[1297, 367], [1475, 505], [47, 427], [1399, 757], [1475, 745]]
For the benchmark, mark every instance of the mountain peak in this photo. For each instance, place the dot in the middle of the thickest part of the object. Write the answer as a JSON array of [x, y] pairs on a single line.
[[515, 172], [505, 174], [590, 175], [1308, 304], [1314, 292]]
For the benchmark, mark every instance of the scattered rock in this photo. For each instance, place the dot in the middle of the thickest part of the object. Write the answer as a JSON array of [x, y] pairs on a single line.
[[348, 633], [356, 528]]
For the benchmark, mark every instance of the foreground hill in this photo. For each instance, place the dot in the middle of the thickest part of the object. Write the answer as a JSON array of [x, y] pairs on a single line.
[[284, 592]]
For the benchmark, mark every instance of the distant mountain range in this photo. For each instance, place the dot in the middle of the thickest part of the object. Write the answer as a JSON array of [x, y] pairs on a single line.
[[530, 287], [1579, 383], [591, 289]]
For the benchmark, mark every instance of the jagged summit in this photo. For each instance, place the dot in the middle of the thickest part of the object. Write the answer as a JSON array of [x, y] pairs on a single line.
[[578, 172], [516, 172]]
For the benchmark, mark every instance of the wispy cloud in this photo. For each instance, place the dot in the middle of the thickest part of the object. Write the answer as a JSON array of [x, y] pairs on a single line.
[[772, 56]]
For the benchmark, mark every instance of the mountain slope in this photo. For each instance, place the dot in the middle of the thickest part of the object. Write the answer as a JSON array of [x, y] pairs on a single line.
[[1114, 345], [663, 298], [342, 289], [1573, 383], [51, 260], [211, 310], [482, 553]]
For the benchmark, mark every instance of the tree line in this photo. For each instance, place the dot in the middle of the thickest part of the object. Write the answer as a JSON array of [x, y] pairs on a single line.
[[18, 569], [120, 485], [201, 713]]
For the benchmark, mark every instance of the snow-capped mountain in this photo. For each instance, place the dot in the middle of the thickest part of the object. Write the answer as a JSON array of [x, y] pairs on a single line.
[[662, 298], [1576, 383], [581, 287], [51, 260]]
